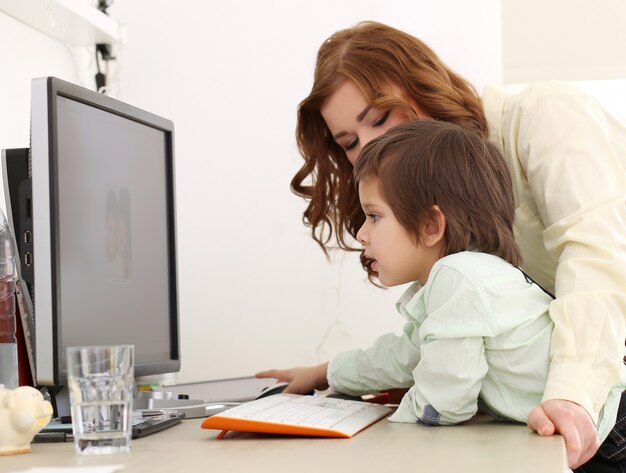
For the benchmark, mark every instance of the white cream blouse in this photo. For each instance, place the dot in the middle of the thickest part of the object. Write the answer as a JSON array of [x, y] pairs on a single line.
[[567, 157]]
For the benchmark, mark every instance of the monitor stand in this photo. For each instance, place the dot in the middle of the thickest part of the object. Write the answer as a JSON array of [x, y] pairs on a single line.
[[144, 400], [162, 400]]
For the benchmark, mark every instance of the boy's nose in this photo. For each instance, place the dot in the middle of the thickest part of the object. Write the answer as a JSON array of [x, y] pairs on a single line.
[[360, 235]]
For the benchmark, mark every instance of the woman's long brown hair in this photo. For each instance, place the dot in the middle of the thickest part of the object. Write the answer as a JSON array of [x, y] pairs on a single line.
[[374, 57]]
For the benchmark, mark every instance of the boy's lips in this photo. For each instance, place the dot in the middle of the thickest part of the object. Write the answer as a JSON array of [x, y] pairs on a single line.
[[372, 262]]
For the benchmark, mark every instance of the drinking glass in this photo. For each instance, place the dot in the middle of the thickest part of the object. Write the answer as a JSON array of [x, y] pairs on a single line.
[[101, 382]]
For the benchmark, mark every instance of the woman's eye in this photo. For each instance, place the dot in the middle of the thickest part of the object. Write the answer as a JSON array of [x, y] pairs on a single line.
[[373, 217], [381, 120], [351, 145]]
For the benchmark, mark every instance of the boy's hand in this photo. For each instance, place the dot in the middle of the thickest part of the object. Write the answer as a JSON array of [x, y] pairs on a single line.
[[571, 421], [301, 380]]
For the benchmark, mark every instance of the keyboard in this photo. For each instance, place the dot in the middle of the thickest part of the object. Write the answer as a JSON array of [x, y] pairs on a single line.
[[296, 414]]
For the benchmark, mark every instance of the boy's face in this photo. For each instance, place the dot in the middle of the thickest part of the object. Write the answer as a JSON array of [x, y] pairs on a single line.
[[397, 258]]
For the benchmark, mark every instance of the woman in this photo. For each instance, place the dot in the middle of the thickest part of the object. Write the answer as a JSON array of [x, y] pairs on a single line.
[[567, 158]]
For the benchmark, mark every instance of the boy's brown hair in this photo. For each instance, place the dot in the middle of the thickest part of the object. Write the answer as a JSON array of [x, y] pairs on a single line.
[[423, 163]]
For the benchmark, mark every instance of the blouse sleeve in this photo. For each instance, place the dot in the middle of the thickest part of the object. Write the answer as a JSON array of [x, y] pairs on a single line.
[[578, 181]]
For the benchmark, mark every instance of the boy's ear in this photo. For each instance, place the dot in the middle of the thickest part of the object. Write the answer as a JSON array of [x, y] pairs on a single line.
[[434, 228]]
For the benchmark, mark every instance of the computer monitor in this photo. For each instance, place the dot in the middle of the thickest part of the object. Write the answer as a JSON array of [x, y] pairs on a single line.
[[95, 226]]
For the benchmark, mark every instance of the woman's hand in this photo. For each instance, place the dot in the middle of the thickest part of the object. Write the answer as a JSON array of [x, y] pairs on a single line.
[[301, 380], [571, 421]]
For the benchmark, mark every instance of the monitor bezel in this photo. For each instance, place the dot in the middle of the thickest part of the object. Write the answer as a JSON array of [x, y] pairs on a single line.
[[45, 204]]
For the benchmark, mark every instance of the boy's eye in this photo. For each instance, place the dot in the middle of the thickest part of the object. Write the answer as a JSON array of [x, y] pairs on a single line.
[[381, 120]]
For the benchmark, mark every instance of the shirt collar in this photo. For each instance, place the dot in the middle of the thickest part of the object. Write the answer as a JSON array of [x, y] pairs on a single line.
[[411, 304]]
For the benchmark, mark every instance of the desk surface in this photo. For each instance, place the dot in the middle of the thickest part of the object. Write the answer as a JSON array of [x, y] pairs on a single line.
[[480, 446]]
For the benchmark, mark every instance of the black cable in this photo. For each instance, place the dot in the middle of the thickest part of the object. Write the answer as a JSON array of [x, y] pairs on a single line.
[[103, 5], [100, 77], [103, 49], [97, 60], [530, 280]]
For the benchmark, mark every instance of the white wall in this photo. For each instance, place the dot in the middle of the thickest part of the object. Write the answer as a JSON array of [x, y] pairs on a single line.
[[26, 53], [563, 40], [256, 291]]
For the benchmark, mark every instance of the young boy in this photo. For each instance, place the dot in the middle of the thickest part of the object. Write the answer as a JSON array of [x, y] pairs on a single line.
[[439, 213]]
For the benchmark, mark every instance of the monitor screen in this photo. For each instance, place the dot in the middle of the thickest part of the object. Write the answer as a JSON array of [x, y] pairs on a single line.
[[103, 255]]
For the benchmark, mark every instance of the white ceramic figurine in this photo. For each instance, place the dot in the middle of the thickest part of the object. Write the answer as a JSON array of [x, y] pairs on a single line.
[[23, 413]]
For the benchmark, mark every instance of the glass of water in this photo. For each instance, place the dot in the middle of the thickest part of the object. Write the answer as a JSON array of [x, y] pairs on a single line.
[[100, 381]]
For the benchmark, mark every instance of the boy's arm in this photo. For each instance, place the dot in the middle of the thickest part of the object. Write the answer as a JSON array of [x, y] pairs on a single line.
[[387, 364], [302, 380], [448, 377], [448, 380]]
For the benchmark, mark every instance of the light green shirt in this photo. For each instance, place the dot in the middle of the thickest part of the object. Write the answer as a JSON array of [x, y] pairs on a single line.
[[477, 333]]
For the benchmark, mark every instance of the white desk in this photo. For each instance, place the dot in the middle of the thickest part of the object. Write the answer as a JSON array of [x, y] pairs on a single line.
[[481, 446]]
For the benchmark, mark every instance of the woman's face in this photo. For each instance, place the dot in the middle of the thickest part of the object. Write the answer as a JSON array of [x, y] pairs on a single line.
[[353, 122]]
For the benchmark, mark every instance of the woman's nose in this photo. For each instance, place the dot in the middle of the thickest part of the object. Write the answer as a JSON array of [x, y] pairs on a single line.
[[368, 135]]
